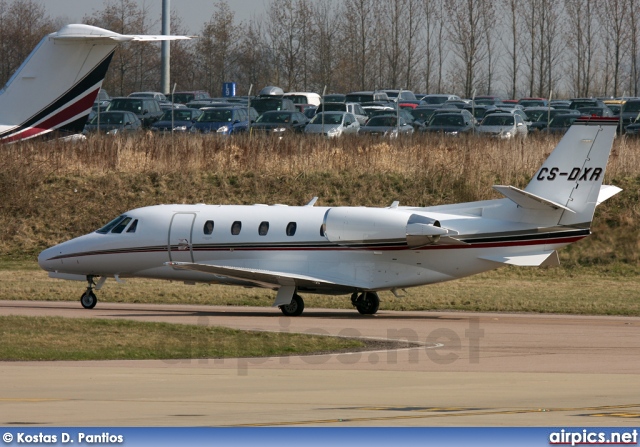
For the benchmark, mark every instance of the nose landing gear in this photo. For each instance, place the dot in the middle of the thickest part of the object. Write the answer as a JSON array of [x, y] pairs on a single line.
[[88, 298]]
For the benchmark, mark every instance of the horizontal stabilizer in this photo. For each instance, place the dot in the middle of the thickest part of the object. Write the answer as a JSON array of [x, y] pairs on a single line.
[[545, 258], [528, 200], [261, 278], [87, 33], [606, 192]]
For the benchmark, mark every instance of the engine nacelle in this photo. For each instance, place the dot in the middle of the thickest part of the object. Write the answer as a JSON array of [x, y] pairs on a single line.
[[380, 226]]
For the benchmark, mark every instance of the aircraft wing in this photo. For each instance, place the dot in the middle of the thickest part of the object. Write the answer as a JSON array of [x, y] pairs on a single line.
[[286, 283]]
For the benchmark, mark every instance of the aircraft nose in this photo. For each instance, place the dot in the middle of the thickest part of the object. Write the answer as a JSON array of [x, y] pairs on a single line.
[[45, 260]]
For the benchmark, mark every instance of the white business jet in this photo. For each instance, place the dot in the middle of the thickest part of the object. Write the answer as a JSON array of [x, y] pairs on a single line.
[[52, 92], [357, 251]]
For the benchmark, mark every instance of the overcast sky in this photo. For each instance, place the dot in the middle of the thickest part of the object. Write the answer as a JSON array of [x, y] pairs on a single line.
[[194, 13]]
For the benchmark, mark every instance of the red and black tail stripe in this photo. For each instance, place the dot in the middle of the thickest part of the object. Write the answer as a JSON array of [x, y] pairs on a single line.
[[76, 100]]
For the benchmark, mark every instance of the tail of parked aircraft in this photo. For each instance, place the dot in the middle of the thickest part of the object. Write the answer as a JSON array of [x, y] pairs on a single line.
[[568, 186], [56, 86]]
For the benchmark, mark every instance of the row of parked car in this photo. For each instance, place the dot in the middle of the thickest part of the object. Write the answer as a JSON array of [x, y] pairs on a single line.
[[389, 113]]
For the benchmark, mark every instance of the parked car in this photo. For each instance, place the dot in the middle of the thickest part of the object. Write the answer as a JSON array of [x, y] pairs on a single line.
[[464, 112], [514, 111], [386, 126], [185, 97], [541, 120], [264, 104], [334, 97], [367, 96], [630, 111], [399, 95], [333, 124], [615, 105], [487, 100], [577, 103], [423, 114], [533, 102], [178, 120], [503, 125], [452, 124], [595, 111], [479, 110], [561, 123], [113, 123], [438, 99], [280, 122], [560, 103], [351, 107], [222, 120], [160, 97], [271, 90], [146, 109], [303, 98]]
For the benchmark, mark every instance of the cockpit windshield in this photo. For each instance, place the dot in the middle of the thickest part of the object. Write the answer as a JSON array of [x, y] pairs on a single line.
[[118, 225]]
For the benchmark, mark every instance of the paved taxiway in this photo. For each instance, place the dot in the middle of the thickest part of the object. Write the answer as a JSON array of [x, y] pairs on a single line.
[[465, 369]]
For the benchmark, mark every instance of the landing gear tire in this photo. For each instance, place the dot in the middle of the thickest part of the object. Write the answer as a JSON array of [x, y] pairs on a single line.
[[88, 299], [367, 303], [294, 308]]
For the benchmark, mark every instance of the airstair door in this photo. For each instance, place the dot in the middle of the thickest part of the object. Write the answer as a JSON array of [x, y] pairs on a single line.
[[180, 237]]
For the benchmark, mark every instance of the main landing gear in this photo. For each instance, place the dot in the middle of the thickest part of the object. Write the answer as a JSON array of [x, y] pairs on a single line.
[[88, 298], [294, 308], [367, 303]]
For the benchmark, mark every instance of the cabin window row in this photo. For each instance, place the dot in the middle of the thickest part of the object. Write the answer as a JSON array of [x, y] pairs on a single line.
[[263, 228]]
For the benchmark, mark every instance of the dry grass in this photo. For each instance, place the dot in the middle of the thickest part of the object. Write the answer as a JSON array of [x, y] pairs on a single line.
[[53, 191]]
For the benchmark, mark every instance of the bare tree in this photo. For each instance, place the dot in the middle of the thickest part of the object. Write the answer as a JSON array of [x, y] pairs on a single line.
[[511, 43], [431, 17], [358, 25], [216, 48], [327, 45], [23, 23], [633, 21], [134, 67], [489, 22], [582, 45], [254, 61], [613, 13], [467, 39]]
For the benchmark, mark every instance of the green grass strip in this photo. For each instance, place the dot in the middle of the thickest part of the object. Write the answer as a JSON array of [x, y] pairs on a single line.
[[57, 338]]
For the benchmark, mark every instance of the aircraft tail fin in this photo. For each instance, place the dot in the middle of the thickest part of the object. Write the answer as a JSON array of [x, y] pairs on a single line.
[[569, 183], [55, 87]]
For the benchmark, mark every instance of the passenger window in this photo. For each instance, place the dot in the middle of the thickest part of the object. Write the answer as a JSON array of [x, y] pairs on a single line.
[[133, 226], [291, 228], [121, 226], [208, 227], [263, 229], [236, 227]]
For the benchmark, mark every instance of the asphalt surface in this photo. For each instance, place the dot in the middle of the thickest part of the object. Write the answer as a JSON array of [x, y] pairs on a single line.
[[464, 369]]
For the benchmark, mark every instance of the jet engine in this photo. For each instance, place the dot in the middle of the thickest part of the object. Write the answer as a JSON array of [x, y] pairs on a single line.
[[383, 226]]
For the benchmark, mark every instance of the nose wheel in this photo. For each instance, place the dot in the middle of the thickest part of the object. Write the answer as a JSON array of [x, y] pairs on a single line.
[[88, 298]]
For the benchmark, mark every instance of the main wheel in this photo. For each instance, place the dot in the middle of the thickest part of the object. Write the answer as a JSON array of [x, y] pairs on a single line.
[[88, 299], [368, 303], [294, 308]]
